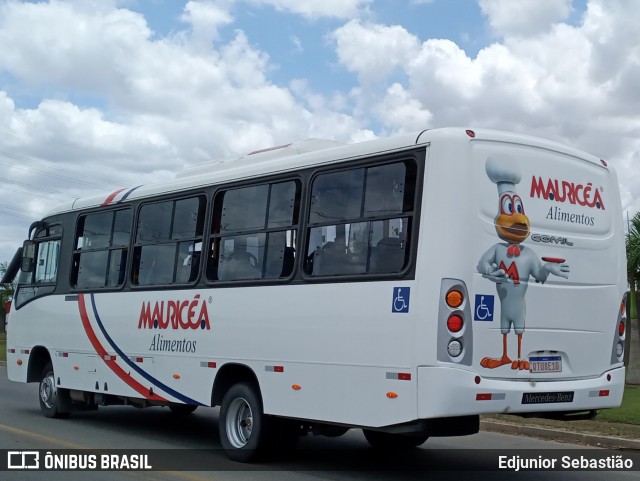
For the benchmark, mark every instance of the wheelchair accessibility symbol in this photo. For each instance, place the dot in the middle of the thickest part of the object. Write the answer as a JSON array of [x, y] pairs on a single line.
[[400, 299], [484, 308]]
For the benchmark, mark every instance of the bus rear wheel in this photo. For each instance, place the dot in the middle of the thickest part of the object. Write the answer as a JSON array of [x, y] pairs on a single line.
[[52, 399], [242, 423], [394, 441]]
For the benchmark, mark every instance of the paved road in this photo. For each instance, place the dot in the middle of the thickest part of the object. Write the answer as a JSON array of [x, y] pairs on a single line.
[[348, 457]]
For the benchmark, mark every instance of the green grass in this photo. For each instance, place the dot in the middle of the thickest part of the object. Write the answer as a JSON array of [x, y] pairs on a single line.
[[3, 346], [628, 412]]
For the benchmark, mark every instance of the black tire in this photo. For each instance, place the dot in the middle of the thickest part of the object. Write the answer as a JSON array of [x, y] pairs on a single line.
[[182, 409], [54, 401], [243, 425], [394, 441]]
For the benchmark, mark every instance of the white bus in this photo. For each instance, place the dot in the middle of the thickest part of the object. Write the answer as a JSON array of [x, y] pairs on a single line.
[[322, 287]]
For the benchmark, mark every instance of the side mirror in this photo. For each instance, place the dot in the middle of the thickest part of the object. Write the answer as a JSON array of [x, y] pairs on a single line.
[[28, 256]]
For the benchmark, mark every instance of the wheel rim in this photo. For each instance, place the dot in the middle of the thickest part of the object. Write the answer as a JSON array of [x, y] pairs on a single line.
[[239, 423], [48, 391]]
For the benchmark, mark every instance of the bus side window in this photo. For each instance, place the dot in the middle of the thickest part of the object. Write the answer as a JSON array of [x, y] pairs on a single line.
[[360, 220], [254, 232], [101, 249], [168, 242]]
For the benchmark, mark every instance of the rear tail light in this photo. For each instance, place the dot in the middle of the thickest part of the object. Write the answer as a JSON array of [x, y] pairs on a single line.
[[617, 354], [455, 333], [455, 323]]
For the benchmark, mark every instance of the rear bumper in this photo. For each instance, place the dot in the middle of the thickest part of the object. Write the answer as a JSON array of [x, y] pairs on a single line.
[[446, 391]]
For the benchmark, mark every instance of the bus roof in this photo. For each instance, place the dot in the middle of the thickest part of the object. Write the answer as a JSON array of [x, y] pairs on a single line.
[[308, 153]]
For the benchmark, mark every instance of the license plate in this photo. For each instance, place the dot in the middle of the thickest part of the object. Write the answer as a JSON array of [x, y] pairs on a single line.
[[545, 364], [547, 397]]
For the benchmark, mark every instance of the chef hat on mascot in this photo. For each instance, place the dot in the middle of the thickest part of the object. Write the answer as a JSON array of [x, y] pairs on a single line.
[[503, 171]]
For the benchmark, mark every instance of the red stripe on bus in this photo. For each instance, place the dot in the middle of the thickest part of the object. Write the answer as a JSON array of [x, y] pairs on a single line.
[[110, 360], [109, 199]]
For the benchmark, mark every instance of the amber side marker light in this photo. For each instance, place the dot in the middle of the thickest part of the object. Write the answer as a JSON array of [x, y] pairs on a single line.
[[454, 298], [392, 395], [296, 387]]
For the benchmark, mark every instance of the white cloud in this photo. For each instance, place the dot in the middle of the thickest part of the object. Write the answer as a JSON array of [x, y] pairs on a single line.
[[206, 17], [374, 51], [400, 112], [45, 52], [524, 17], [315, 9]]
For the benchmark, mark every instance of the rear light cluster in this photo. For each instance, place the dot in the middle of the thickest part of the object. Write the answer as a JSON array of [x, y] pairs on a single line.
[[455, 322], [454, 335], [620, 334]]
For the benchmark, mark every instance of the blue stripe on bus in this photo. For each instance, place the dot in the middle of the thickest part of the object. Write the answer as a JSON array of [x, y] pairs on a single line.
[[127, 194], [136, 368]]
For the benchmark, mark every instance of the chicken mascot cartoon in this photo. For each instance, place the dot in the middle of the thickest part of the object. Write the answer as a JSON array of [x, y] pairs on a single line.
[[510, 264]]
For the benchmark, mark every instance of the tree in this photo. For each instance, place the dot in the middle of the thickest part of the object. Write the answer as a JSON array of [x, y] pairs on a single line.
[[633, 257], [632, 351], [6, 294]]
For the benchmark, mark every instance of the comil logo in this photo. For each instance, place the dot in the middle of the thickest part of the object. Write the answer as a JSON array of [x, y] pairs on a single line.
[[187, 314], [564, 191]]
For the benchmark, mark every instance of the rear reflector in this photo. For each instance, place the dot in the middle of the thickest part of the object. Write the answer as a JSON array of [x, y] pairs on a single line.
[[491, 396], [274, 368], [400, 376]]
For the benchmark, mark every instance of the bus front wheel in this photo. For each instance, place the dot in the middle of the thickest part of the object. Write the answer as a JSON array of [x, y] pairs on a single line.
[[52, 399], [242, 423]]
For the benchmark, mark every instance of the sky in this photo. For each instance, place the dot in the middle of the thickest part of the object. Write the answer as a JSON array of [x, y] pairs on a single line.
[[97, 95]]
